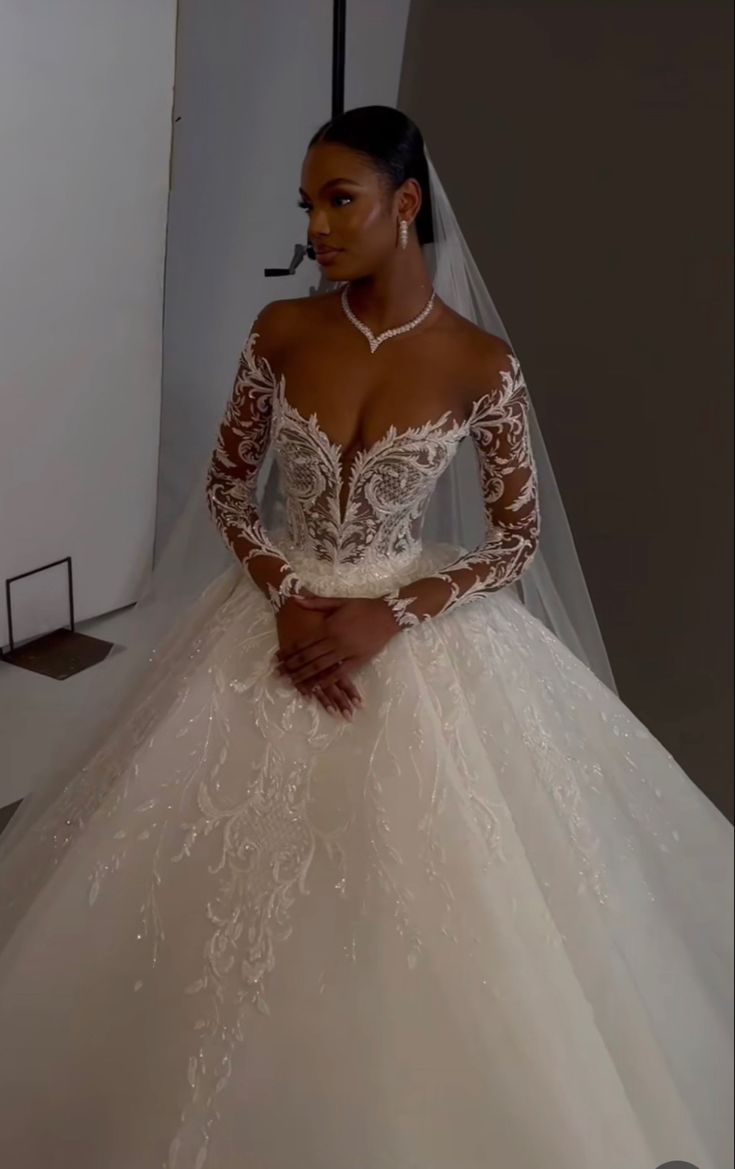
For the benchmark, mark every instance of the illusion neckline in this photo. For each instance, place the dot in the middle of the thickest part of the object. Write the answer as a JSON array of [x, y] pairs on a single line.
[[458, 429], [420, 430]]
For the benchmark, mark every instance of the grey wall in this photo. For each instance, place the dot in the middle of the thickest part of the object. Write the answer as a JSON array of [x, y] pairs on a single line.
[[587, 149], [251, 80], [253, 83]]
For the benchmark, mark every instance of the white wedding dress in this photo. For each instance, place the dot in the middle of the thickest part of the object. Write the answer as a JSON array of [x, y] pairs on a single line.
[[484, 925]]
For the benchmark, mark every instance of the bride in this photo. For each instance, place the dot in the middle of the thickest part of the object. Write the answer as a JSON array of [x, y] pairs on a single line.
[[374, 872]]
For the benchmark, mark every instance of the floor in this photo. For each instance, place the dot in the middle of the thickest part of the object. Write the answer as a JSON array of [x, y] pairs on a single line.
[[38, 713]]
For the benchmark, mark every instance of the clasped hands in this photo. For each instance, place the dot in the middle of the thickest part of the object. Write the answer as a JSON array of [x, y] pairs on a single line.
[[323, 640]]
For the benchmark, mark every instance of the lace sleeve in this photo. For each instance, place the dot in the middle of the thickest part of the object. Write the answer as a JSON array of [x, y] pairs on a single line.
[[242, 443], [499, 430]]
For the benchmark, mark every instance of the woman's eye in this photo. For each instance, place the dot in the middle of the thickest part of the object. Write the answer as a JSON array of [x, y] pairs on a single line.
[[337, 201]]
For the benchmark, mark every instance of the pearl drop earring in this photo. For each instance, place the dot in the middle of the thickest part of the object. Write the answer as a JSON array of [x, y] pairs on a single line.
[[404, 234]]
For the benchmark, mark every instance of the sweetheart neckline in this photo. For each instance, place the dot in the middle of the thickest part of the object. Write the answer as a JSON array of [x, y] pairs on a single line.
[[278, 386], [422, 430]]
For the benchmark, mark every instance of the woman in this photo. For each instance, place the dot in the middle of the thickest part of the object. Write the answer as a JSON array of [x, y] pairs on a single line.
[[383, 875]]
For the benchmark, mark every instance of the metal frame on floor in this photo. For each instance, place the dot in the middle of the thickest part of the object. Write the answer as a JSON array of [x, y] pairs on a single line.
[[21, 576]]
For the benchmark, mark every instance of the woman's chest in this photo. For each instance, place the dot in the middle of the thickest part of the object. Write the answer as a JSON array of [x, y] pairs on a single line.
[[382, 474], [357, 400]]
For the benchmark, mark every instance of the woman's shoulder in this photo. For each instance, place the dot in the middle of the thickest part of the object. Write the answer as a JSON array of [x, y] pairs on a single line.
[[280, 324], [480, 356], [474, 342]]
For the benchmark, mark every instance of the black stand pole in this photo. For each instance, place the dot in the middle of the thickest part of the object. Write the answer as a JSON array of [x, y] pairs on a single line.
[[339, 28]]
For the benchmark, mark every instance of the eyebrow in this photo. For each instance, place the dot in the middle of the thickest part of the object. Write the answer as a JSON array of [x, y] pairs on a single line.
[[334, 183]]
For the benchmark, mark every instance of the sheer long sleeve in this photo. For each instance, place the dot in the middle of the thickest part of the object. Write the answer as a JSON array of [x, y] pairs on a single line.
[[242, 443], [499, 430]]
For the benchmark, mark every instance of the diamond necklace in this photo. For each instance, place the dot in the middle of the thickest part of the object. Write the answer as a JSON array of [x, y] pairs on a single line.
[[366, 331]]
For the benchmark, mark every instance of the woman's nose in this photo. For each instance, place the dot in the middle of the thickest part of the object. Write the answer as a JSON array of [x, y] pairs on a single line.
[[319, 223]]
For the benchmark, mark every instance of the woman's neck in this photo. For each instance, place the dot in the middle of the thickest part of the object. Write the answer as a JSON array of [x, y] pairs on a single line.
[[395, 294]]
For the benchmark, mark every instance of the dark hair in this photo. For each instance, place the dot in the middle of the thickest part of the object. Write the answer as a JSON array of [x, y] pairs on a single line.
[[395, 146]]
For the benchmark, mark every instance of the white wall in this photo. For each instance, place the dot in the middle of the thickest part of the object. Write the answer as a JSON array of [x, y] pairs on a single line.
[[253, 84], [85, 118]]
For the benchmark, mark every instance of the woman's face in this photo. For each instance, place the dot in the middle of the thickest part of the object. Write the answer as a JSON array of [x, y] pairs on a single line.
[[352, 212]]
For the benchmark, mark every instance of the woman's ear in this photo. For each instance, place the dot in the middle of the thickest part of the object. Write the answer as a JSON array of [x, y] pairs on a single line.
[[409, 200]]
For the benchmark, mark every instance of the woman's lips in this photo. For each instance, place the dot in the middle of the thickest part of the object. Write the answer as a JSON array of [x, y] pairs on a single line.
[[326, 255]]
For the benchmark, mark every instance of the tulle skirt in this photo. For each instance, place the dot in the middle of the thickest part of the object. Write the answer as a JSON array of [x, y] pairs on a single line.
[[487, 923]]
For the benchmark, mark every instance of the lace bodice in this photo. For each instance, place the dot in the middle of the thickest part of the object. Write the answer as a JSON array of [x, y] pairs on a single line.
[[375, 507]]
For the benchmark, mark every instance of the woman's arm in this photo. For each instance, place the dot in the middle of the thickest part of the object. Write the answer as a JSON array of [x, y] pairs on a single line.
[[499, 430], [242, 443]]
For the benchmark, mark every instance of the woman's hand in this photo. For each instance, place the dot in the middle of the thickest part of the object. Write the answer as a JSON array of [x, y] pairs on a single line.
[[353, 630], [295, 624]]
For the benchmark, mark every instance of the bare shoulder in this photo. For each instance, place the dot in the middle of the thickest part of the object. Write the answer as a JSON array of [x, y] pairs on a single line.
[[280, 324], [479, 356]]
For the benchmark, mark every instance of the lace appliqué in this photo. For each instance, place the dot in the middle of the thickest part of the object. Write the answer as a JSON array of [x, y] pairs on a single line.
[[241, 446], [389, 485], [386, 490], [499, 429]]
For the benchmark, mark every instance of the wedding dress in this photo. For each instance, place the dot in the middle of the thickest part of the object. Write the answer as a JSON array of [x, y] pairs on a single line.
[[486, 924]]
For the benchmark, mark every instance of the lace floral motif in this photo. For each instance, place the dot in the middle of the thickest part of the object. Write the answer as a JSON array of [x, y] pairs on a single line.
[[242, 443], [498, 426], [388, 486]]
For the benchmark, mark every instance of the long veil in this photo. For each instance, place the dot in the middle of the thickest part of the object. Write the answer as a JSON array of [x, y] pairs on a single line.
[[195, 573]]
